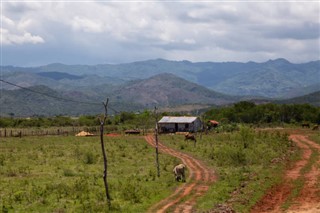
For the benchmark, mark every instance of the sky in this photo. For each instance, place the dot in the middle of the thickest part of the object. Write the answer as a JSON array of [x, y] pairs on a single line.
[[37, 33]]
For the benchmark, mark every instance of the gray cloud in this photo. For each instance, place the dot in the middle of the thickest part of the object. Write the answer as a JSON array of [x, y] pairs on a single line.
[[300, 31], [100, 32]]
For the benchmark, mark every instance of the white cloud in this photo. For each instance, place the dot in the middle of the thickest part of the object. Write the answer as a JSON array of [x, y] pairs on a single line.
[[11, 39], [6, 21], [24, 24], [87, 25], [16, 32], [128, 31]]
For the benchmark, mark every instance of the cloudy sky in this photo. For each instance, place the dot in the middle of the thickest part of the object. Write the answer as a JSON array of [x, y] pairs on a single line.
[[97, 32]]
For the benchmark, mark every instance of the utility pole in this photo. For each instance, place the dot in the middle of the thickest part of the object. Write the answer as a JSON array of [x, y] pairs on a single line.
[[156, 140], [102, 122]]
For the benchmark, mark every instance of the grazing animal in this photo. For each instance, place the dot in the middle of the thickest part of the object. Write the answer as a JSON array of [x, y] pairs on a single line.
[[316, 127], [179, 172], [307, 125], [189, 136]]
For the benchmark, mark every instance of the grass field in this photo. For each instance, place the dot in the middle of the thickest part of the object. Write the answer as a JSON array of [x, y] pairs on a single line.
[[315, 137], [247, 162], [64, 174]]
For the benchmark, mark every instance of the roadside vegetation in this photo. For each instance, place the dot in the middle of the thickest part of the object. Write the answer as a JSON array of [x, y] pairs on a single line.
[[247, 162], [299, 183], [315, 137]]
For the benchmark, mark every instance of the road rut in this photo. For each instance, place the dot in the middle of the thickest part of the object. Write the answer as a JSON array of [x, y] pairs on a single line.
[[308, 200], [185, 196]]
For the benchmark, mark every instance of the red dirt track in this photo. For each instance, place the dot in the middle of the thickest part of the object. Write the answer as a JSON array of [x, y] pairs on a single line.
[[200, 178], [308, 200], [185, 196]]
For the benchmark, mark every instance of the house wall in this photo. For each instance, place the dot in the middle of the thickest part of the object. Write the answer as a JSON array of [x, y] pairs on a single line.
[[197, 124], [166, 127], [180, 127]]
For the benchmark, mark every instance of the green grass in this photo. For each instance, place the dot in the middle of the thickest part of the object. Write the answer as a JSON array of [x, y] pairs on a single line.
[[315, 137], [299, 183], [243, 161], [297, 186], [64, 174]]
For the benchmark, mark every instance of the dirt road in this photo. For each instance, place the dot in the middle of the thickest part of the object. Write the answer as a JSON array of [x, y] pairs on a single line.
[[308, 199], [185, 196]]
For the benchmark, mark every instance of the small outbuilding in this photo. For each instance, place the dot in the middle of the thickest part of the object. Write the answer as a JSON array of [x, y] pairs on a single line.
[[171, 124]]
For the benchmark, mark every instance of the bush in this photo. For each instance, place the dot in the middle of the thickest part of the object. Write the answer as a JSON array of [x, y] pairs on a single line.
[[89, 158]]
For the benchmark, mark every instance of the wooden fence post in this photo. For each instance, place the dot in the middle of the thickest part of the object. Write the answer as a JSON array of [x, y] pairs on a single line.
[[156, 140], [102, 122]]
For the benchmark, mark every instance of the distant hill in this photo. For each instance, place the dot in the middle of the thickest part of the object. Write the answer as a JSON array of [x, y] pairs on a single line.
[[167, 84], [59, 75], [169, 90], [312, 98], [163, 90], [304, 90], [57, 80], [25, 103], [272, 79]]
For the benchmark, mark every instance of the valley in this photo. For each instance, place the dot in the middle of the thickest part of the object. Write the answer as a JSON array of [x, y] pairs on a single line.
[[146, 84]]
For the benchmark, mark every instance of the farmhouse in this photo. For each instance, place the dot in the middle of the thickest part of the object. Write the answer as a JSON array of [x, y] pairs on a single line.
[[179, 124]]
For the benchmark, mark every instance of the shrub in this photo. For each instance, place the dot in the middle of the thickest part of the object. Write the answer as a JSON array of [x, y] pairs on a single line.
[[89, 158]]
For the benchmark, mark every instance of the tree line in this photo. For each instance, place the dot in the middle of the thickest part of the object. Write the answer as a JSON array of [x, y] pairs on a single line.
[[251, 113], [127, 118], [241, 112]]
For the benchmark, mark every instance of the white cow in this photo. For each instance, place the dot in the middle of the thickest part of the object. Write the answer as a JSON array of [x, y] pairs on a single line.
[[179, 172]]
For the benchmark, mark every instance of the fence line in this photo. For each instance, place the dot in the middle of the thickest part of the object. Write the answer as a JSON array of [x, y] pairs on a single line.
[[65, 131]]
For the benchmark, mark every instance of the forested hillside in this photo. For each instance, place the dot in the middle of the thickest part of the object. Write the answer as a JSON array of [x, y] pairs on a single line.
[[273, 79]]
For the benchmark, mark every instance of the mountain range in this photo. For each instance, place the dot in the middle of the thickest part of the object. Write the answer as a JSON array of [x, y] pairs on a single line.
[[145, 84]]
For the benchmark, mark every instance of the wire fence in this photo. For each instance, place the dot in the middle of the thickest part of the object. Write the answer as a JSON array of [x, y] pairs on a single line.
[[63, 131], [69, 131]]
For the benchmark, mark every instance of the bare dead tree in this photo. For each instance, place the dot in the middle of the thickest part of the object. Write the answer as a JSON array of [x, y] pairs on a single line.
[[156, 139], [102, 122]]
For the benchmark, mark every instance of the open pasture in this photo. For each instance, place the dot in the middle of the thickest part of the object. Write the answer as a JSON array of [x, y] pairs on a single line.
[[64, 174], [247, 162]]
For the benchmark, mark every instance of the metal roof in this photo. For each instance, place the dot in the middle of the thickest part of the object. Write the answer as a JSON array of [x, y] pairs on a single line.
[[175, 119]]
